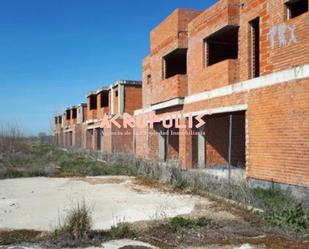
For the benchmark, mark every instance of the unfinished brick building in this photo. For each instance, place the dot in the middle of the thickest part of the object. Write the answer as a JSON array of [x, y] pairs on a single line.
[[58, 132], [81, 126], [245, 65], [124, 96], [241, 64], [68, 127]]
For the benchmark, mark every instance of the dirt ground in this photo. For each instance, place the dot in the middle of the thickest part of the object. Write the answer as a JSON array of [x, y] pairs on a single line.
[[39, 203]]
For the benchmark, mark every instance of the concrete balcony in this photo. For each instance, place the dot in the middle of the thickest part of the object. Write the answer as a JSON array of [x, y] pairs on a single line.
[[173, 87]]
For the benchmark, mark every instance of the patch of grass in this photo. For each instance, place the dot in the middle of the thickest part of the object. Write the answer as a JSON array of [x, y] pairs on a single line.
[[92, 168], [282, 210], [180, 222], [121, 231], [181, 184], [18, 236], [48, 160]]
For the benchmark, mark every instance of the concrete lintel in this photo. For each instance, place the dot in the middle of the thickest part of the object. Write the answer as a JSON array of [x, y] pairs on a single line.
[[142, 111], [289, 75], [286, 76], [223, 109], [168, 103]]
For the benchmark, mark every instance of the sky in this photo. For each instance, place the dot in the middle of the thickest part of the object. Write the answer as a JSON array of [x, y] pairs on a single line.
[[53, 52]]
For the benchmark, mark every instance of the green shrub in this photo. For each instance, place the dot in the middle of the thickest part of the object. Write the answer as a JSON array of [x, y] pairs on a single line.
[[282, 210], [181, 184]]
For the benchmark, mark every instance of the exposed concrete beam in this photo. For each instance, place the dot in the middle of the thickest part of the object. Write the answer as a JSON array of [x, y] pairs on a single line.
[[112, 101], [169, 103], [121, 99], [289, 75], [286, 76], [224, 109]]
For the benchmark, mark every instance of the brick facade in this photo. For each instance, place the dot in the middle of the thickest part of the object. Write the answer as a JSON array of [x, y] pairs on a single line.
[[244, 64]]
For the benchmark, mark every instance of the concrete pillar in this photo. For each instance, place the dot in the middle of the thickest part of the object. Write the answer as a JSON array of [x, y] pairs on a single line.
[[162, 143], [94, 139], [112, 101], [201, 148], [102, 139], [74, 137], [121, 99], [185, 145]]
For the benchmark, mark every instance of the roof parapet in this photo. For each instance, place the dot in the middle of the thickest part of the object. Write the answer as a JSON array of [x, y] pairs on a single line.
[[126, 82]]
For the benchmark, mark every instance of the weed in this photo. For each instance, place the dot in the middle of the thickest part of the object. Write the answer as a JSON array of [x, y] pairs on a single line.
[[180, 222], [282, 210], [181, 184], [77, 223], [18, 236], [122, 230]]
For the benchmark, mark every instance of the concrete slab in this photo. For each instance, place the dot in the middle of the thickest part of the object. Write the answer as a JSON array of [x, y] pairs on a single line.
[[40, 203]]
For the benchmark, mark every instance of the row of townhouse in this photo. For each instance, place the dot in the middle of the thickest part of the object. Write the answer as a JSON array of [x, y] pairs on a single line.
[[81, 126], [242, 63]]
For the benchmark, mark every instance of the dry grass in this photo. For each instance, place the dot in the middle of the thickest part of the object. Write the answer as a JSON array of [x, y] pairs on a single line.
[[17, 236], [77, 223]]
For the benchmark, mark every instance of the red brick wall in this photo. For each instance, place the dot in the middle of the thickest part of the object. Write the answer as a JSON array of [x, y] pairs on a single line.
[[173, 144], [132, 98], [168, 30], [141, 142], [200, 76], [147, 84], [165, 38], [102, 110], [278, 125], [272, 14], [153, 142], [107, 140], [91, 114], [77, 136], [122, 138], [116, 89], [291, 55], [217, 140]]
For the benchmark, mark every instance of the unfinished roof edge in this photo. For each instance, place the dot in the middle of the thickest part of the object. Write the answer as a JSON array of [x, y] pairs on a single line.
[[174, 12], [91, 93], [126, 82]]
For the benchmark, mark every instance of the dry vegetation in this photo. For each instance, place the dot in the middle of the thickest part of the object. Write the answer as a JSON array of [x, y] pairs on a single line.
[[24, 157]]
